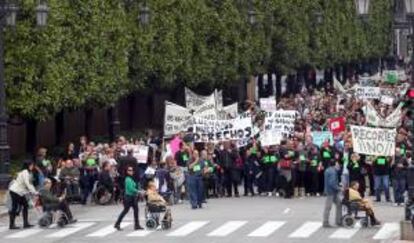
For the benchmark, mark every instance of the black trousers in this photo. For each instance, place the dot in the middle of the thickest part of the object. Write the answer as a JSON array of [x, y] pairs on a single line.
[[19, 202], [129, 202]]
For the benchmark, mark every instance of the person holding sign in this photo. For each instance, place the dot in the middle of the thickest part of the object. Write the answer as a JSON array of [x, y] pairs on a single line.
[[355, 172], [312, 172], [381, 171], [195, 180], [269, 161]]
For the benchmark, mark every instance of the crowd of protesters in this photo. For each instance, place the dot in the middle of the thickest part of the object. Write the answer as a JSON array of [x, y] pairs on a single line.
[[197, 172]]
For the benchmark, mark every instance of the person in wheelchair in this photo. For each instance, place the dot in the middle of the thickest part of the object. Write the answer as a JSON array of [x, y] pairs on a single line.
[[69, 176], [105, 186], [52, 203], [156, 203], [365, 204]]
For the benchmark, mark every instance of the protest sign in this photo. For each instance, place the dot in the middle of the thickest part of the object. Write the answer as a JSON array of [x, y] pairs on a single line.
[[336, 125], [338, 86], [176, 118], [373, 141], [268, 104], [387, 100], [373, 118], [193, 101], [282, 121], [140, 152], [269, 138], [369, 80], [228, 112], [235, 129], [390, 76], [368, 92], [318, 138], [207, 110]]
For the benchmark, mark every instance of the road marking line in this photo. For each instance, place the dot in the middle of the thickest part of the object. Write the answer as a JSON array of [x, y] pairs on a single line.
[[70, 229], [3, 229], [140, 233], [267, 229], [286, 211], [107, 230], [188, 228], [387, 231], [227, 228], [24, 233], [344, 233], [306, 230]]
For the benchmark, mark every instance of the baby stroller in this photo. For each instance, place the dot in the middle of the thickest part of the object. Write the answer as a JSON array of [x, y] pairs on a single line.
[[153, 214], [351, 214]]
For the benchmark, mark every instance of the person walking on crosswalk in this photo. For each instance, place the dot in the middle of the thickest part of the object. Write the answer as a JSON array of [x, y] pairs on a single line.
[[332, 191], [19, 188], [130, 199]]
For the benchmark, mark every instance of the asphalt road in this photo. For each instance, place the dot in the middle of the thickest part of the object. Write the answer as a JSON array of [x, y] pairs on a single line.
[[242, 220]]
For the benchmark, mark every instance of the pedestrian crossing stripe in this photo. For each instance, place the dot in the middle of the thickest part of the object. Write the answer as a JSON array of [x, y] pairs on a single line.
[[305, 230], [188, 228], [110, 229], [227, 228]]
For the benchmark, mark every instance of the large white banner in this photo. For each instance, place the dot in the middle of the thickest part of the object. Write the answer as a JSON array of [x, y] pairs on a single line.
[[176, 118], [207, 109], [235, 129], [268, 104], [193, 101], [391, 121], [368, 92], [228, 112], [373, 141], [282, 121]]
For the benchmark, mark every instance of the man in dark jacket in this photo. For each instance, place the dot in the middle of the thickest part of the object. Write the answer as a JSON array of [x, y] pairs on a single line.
[[51, 202], [332, 190], [227, 162]]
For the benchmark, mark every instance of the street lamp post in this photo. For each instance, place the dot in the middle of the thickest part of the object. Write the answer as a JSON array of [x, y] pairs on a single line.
[[8, 13], [409, 7], [362, 8]]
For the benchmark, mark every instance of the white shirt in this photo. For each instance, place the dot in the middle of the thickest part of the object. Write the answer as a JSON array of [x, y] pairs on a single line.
[[22, 185]]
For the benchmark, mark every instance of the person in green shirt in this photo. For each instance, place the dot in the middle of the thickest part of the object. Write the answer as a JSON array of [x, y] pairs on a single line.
[[269, 160], [130, 199]]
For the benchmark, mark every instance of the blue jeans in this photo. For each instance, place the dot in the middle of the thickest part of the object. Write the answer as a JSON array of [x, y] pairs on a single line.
[[399, 189], [196, 190], [382, 182]]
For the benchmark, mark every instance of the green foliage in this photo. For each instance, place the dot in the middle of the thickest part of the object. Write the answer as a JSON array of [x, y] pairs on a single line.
[[95, 51]]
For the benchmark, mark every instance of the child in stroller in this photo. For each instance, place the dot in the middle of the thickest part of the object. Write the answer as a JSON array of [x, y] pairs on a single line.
[[156, 206]]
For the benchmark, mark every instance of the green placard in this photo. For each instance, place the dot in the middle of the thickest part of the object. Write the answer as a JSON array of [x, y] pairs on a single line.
[[381, 161]]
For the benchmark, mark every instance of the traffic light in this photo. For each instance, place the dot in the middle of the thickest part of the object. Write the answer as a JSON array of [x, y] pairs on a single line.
[[410, 93]]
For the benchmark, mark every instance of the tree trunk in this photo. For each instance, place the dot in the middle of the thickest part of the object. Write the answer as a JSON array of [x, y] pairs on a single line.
[[31, 136], [59, 127], [88, 122], [114, 123]]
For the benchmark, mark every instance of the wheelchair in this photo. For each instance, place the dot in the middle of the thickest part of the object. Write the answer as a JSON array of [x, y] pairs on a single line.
[[155, 213], [51, 215], [102, 196], [353, 211]]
